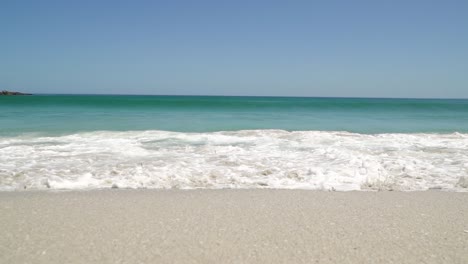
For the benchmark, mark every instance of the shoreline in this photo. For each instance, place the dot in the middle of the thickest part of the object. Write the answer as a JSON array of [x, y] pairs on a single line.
[[233, 226]]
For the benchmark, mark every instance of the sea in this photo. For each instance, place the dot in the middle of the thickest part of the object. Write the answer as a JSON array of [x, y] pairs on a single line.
[[81, 142]]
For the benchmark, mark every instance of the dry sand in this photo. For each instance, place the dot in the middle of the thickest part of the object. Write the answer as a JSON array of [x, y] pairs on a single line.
[[233, 226]]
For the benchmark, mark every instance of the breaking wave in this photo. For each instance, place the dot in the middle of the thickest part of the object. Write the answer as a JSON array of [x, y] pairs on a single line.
[[319, 160]]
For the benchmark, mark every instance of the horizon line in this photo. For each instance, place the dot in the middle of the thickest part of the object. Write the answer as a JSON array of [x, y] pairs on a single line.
[[268, 96]]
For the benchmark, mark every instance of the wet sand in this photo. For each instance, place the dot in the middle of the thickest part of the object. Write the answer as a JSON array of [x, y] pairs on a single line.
[[233, 226]]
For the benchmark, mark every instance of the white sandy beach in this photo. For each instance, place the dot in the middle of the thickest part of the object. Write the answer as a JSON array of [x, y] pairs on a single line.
[[233, 226]]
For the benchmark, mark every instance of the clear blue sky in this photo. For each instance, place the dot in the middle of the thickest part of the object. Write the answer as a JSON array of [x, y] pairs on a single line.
[[294, 48]]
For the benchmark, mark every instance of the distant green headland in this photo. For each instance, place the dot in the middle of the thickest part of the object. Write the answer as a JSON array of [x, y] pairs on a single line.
[[12, 93]]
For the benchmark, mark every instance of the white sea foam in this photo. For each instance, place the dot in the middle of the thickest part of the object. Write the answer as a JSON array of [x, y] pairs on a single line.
[[240, 159]]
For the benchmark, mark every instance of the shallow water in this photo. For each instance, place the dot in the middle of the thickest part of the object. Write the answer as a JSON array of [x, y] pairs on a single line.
[[64, 114], [83, 142]]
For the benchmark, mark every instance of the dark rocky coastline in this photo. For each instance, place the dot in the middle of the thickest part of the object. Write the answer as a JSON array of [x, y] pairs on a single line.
[[12, 93]]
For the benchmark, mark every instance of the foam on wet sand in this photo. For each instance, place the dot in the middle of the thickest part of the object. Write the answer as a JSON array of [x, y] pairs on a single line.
[[247, 159]]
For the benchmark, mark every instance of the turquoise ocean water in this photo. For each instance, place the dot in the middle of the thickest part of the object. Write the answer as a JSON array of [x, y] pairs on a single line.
[[59, 114], [187, 142]]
